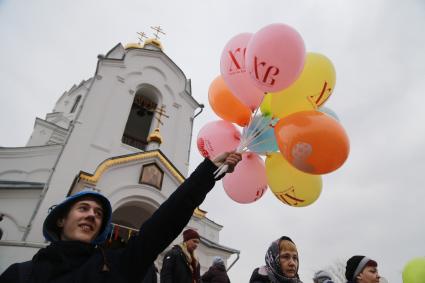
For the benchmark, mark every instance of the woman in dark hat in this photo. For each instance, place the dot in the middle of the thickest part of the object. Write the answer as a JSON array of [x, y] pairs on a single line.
[[282, 264], [361, 269]]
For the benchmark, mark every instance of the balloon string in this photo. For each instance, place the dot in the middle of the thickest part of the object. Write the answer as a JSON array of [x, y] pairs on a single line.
[[256, 134], [247, 137], [253, 132], [260, 142], [270, 123], [244, 137]]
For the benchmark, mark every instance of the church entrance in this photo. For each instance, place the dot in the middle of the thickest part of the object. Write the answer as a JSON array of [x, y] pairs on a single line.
[[126, 221]]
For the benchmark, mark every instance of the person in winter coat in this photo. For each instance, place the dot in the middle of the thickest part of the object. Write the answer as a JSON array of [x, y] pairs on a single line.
[[361, 269], [281, 264], [180, 263], [78, 225], [216, 273], [151, 275], [322, 276]]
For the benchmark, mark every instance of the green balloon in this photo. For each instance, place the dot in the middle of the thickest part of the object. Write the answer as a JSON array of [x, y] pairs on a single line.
[[414, 271]]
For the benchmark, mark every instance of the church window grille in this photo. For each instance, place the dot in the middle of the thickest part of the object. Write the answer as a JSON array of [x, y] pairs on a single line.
[[139, 121]]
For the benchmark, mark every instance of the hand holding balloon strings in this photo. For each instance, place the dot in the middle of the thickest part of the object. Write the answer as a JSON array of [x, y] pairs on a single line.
[[256, 128], [230, 159]]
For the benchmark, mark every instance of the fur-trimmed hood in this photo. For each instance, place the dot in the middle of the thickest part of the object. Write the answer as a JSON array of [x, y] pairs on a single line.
[[52, 232]]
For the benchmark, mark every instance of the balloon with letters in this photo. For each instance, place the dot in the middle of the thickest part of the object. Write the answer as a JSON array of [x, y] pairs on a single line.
[[217, 137], [284, 105], [318, 78], [233, 70], [290, 185], [248, 182], [309, 91], [226, 105], [312, 142], [275, 57]]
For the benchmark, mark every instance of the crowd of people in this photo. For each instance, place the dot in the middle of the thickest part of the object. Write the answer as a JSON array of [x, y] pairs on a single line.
[[282, 263], [77, 227]]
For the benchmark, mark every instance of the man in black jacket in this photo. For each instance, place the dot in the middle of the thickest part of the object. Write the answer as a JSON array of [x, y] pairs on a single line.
[[180, 263], [78, 225]]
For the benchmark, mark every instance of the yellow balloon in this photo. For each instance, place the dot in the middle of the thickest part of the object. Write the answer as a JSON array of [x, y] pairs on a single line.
[[289, 185], [266, 105], [286, 104], [309, 91]]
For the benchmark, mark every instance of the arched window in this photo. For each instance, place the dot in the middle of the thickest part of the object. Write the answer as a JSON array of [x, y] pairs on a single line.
[[77, 100], [140, 118]]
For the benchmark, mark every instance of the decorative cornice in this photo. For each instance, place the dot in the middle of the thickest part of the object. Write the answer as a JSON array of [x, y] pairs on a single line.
[[105, 165], [108, 163], [30, 151], [52, 126]]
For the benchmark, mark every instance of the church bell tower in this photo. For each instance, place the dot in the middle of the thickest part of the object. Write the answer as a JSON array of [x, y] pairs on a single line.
[[124, 132]]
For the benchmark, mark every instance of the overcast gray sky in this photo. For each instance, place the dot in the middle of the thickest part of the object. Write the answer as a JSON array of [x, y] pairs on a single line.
[[373, 205]]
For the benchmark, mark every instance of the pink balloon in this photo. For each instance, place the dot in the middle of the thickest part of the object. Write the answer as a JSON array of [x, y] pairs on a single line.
[[275, 57], [248, 182], [217, 137], [233, 70]]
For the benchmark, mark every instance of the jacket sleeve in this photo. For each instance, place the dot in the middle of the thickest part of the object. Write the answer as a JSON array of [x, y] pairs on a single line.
[[167, 222], [11, 274], [168, 265]]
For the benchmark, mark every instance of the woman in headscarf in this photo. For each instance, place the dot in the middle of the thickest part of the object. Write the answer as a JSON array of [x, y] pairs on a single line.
[[281, 264]]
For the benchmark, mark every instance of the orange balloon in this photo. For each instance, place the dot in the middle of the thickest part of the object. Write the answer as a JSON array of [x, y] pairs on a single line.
[[226, 105], [312, 142]]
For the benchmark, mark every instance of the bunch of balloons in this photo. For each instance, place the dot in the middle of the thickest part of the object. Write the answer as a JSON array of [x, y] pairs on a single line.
[[275, 90]]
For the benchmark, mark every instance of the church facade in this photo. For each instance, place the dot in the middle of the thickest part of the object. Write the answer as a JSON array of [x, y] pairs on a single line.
[[126, 133]]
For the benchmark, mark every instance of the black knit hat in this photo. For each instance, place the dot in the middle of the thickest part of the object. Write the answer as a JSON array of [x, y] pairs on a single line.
[[355, 265]]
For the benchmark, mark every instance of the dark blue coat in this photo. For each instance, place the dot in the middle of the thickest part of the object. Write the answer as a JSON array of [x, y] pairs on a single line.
[[216, 274], [131, 263]]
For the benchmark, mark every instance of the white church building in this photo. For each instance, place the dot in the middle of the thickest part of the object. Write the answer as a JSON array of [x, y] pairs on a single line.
[[125, 132]]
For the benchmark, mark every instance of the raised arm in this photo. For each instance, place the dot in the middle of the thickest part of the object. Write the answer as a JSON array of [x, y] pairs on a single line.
[[171, 217]]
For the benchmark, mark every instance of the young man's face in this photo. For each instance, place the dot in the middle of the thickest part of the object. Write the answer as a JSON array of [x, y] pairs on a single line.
[[288, 258], [368, 275], [83, 221], [192, 244]]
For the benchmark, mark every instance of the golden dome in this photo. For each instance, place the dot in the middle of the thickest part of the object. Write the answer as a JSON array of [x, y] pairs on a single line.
[[154, 42], [155, 136], [133, 45]]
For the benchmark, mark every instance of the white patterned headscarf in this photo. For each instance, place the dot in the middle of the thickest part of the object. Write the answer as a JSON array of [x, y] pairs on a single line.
[[273, 268]]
